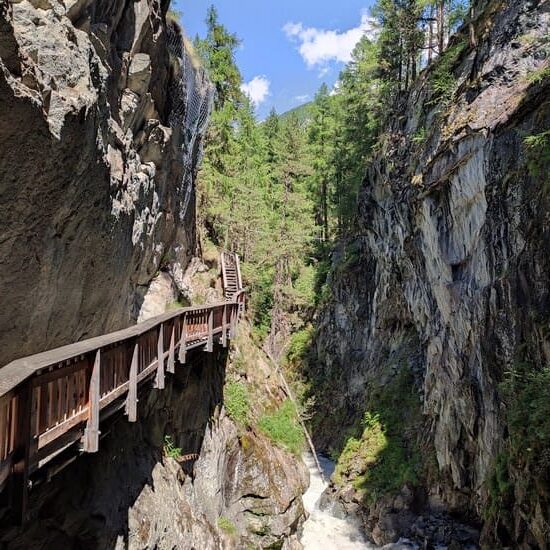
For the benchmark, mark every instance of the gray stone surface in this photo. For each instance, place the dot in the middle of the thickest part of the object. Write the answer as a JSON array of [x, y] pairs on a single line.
[[452, 269], [91, 173]]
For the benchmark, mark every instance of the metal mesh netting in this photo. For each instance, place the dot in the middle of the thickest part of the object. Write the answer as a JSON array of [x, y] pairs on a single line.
[[191, 96]]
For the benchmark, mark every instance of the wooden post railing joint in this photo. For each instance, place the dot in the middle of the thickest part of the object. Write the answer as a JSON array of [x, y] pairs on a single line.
[[182, 352], [210, 339], [171, 354], [131, 399], [159, 379], [91, 433]]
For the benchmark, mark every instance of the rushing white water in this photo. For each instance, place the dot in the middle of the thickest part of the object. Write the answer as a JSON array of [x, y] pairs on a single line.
[[321, 529]]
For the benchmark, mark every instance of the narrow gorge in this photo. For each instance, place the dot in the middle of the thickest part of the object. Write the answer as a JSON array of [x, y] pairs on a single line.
[[326, 328]]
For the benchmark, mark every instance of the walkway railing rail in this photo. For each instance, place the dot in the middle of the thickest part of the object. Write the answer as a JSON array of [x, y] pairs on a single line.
[[52, 399]]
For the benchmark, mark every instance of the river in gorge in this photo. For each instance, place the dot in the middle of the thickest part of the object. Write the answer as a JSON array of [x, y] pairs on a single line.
[[322, 529]]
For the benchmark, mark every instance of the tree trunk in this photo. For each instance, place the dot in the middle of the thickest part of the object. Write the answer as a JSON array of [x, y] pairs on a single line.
[[430, 35], [280, 325], [471, 28], [440, 25], [324, 192]]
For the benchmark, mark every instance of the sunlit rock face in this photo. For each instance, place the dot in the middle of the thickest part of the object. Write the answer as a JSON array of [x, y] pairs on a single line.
[[98, 159], [449, 278]]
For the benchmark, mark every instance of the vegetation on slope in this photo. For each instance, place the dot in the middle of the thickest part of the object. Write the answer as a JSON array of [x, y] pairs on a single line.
[[281, 193]]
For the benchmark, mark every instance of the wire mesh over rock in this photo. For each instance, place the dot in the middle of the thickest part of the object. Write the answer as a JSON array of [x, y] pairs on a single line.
[[192, 97]]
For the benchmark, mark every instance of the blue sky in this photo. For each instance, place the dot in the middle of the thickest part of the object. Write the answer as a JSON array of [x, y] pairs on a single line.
[[289, 47]]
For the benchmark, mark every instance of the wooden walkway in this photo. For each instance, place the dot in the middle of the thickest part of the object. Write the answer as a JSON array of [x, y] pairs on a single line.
[[51, 400]]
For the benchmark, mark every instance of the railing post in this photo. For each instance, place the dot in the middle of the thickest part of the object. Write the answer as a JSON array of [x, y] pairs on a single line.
[[171, 362], [238, 269], [210, 341], [182, 352], [224, 326], [131, 400], [19, 485], [91, 433], [232, 327], [159, 380]]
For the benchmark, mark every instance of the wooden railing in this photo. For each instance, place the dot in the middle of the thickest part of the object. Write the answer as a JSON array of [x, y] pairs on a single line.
[[50, 400]]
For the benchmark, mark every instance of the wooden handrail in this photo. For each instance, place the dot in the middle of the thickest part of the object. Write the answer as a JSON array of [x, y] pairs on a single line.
[[52, 399]]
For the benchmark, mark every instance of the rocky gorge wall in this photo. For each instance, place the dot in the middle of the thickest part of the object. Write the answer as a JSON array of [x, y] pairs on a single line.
[[443, 293], [101, 120]]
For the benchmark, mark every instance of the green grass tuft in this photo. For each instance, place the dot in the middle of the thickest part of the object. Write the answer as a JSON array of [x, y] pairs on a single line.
[[227, 526], [170, 449], [237, 402], [537, 148], [283, 428]]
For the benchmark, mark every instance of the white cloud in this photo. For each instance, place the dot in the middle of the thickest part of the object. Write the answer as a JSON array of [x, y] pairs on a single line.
[[302, 98], [318, 47], [257, 89], [336, 88]]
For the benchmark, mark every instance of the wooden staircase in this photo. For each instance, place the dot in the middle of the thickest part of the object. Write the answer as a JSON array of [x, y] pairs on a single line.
[[231, 275]]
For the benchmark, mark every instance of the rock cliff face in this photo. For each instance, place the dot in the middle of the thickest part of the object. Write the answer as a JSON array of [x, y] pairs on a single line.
[[445, 289], [101, 119]]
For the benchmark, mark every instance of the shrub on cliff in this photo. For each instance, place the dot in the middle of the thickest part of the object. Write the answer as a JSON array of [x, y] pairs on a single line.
[[236, 401]]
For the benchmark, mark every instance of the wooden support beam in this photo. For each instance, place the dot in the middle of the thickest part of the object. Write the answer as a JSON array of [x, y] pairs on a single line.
[[19, 483], [171, 360], [131, 400], [210, 341], [182, 352], [159, 380], [224, 326], [91, 433]]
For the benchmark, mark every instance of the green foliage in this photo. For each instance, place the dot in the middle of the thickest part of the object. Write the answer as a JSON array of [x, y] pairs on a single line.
[[525, 391], [283, 427], [538, 157], [227, 526], [500, 486], [236, 401], [382, 460], [420, 136], [304, 285], [539, 75], [302, 113], [170, 449], [217, 51], [442, 79], [300, 344]]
